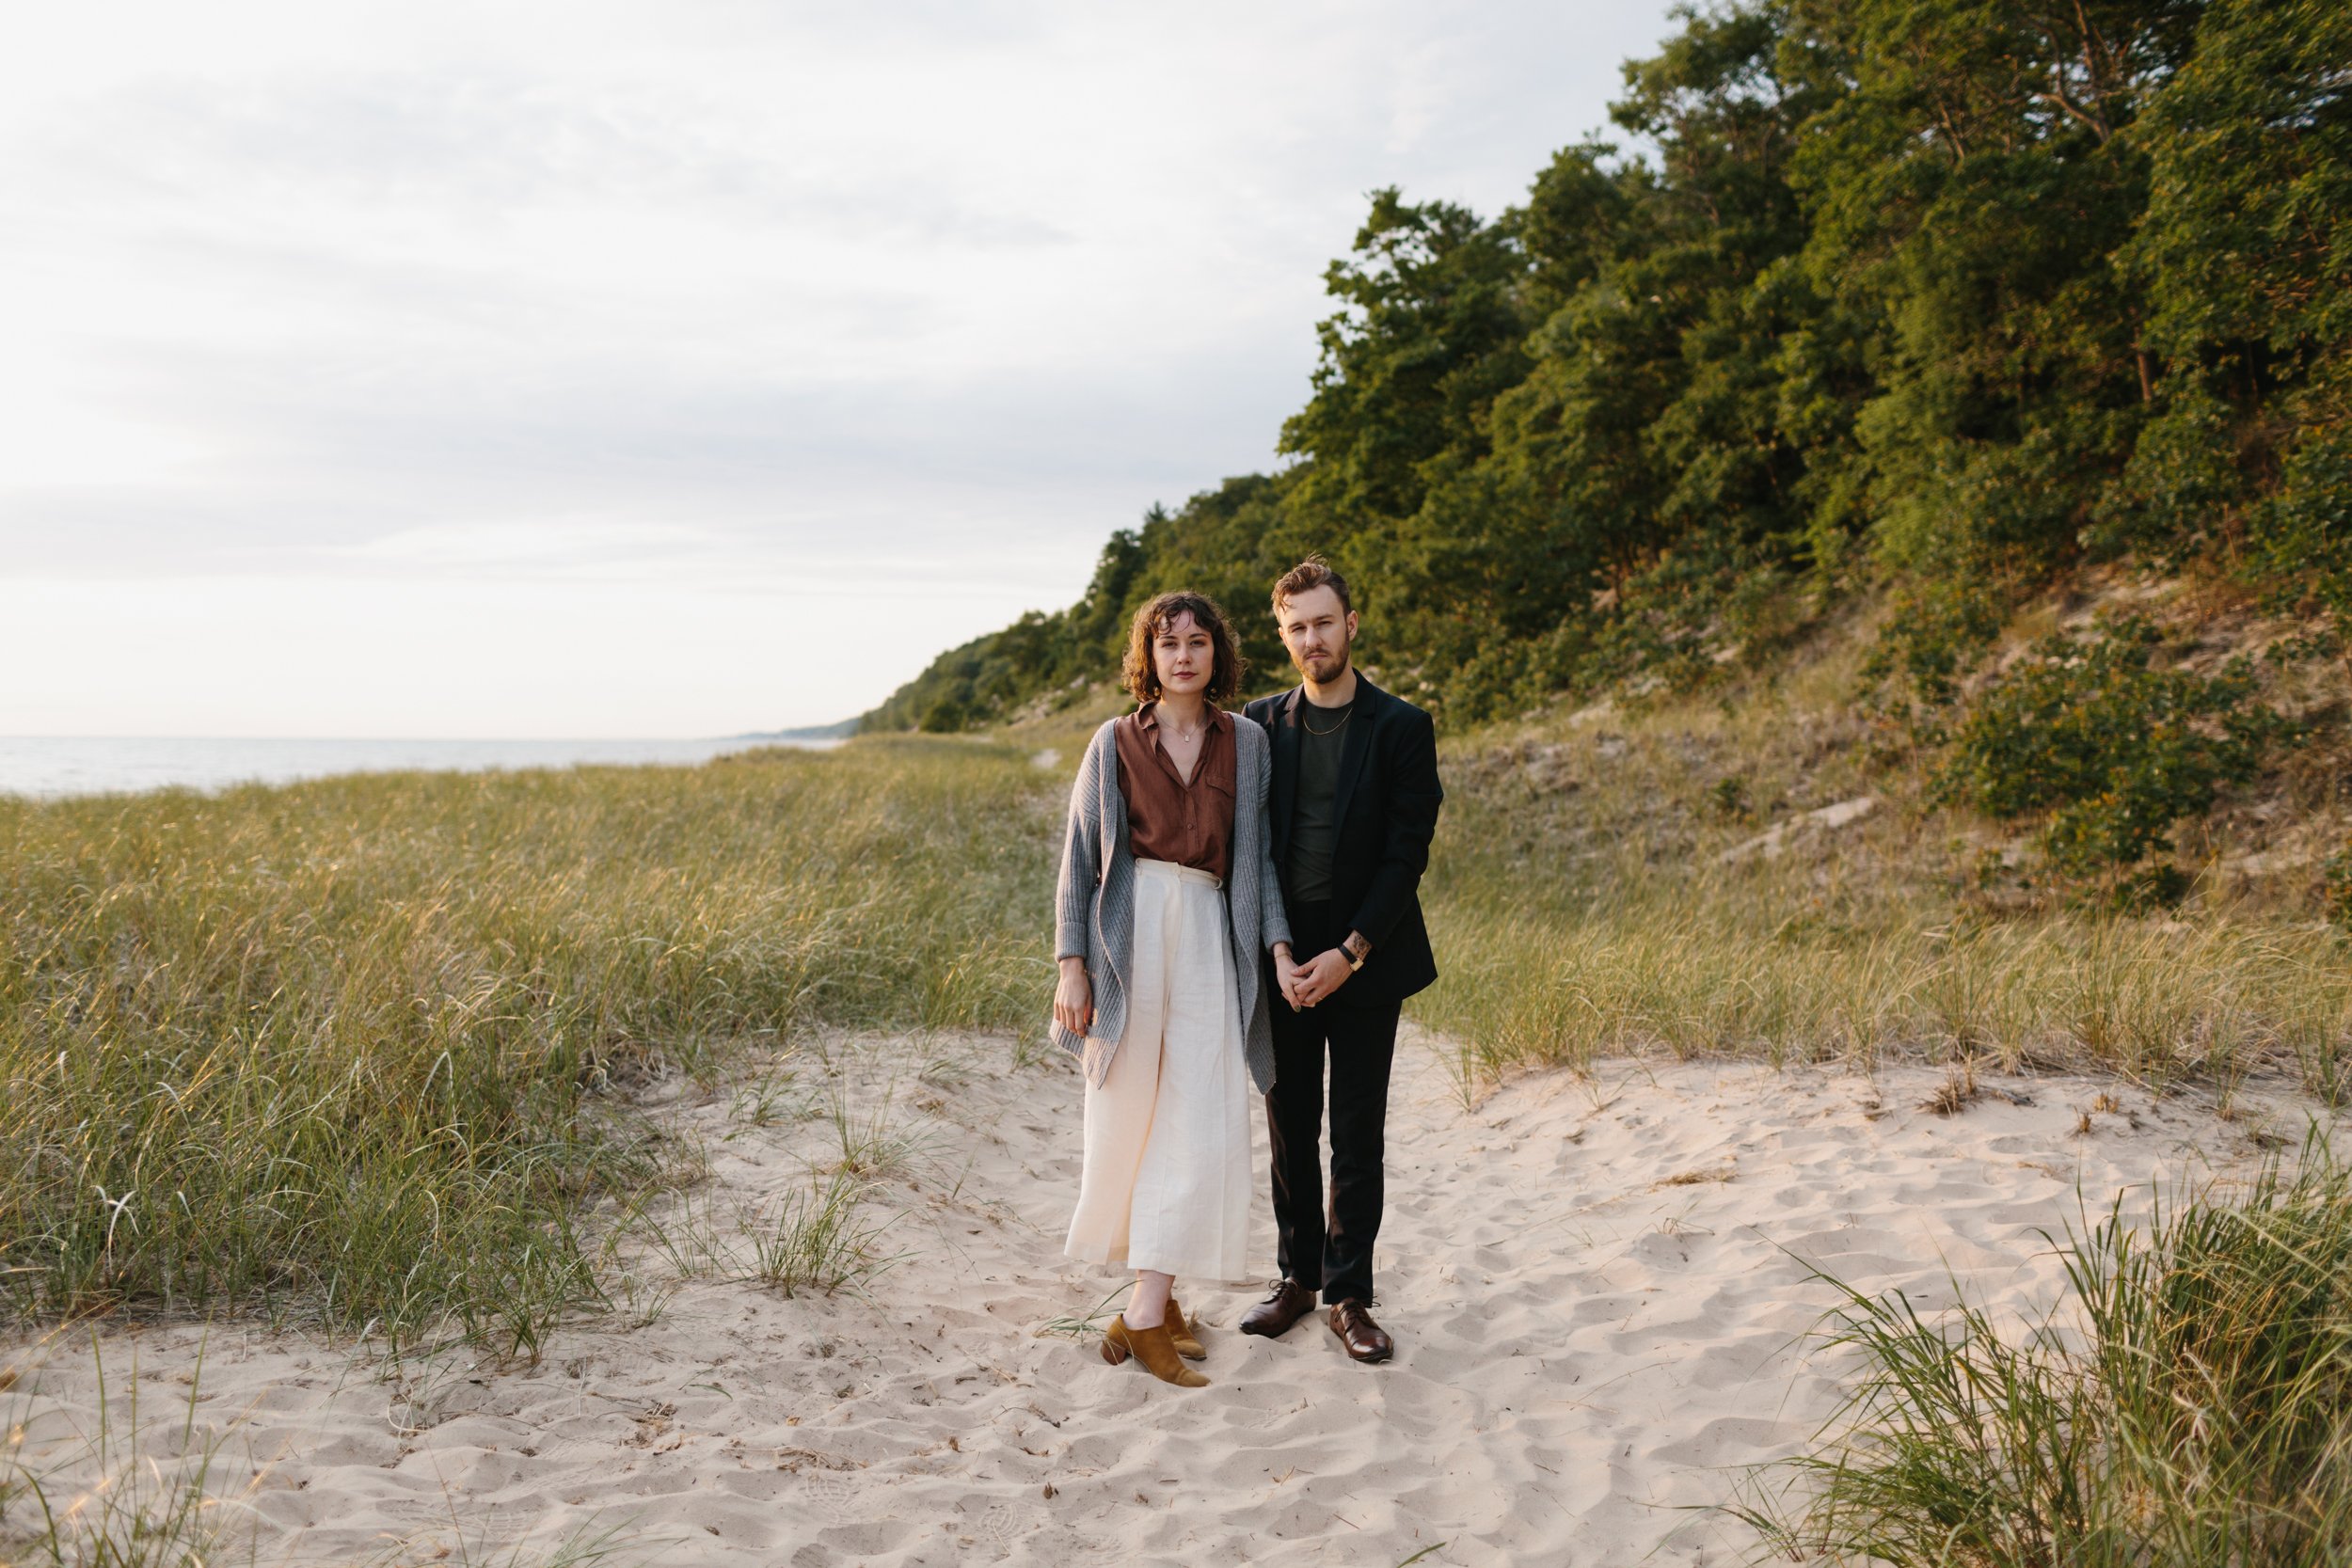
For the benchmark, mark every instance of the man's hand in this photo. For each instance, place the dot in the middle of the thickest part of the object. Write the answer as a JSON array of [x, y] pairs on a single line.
[[1320, 976], [1073, 998]]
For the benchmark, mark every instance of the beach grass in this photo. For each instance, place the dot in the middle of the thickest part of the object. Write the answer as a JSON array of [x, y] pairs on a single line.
[[117, 1485], [357, 1051], [2189, 1407], [361, 1052], [1652, 878], [131, 1490], [1535, 980], [1733, 878], [816, 1241]]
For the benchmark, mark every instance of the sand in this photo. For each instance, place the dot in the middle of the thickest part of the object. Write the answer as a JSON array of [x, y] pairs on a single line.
[[1599, 1286]]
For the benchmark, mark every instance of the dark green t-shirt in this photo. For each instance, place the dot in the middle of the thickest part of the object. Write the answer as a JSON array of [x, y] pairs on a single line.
[[1314, 820]]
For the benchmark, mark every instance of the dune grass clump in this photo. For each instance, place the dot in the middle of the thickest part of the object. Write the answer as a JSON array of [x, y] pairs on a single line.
[[813, 1236], [343, 1049], [1595, 889], [816, 1240], [2200, 1417], [1693, 974]]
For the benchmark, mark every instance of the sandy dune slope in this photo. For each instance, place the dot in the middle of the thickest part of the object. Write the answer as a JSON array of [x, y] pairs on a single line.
[[1598, 1285]]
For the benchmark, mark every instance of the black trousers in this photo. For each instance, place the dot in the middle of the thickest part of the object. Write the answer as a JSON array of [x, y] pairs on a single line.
[[1331, 1248]]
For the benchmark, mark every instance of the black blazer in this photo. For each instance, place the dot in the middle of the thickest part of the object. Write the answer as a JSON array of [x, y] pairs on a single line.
[[1387, 804]]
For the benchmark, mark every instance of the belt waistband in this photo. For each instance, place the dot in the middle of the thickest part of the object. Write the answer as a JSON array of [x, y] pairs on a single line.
[[1185, 873]]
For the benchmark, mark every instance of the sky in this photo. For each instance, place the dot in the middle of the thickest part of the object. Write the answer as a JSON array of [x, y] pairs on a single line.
[[684, 368]]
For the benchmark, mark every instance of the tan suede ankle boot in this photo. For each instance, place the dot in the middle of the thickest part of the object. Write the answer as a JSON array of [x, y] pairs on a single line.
[[1185, 1333], [1154, 1348]]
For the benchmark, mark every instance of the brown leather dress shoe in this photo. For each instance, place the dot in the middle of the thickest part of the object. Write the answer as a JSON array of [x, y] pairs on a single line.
[[1284, 1305], [1365, 1340]]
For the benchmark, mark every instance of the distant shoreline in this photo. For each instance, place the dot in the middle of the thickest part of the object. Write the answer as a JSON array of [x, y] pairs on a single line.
[[840, 729], [49, 767]]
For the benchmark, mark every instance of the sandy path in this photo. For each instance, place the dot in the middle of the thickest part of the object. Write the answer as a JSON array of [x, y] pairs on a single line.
[[1595, 1283]]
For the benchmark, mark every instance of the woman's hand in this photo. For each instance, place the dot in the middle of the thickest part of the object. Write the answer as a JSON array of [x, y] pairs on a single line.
[[1286, 974], [1073, 998]]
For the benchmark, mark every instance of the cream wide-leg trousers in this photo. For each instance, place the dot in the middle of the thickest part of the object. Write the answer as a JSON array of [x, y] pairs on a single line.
[[1166, 1180]]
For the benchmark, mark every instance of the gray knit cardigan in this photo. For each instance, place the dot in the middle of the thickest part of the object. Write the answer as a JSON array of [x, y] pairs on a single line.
[[1094, 909]]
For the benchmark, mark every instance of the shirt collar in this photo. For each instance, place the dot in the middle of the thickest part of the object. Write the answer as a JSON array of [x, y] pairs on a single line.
[[1147, 717]]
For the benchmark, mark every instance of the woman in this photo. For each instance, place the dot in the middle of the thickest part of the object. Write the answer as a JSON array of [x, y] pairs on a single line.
[[1168, 899]]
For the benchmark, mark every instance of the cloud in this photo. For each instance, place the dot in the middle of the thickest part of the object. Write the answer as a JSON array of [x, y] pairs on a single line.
[[737, 297], [491, 143], [505, 542]]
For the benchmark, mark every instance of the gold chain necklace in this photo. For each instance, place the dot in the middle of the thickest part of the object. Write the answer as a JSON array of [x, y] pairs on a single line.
[[1334, 729]]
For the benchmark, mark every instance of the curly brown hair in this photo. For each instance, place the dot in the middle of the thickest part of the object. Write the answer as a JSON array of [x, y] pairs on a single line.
[[1136, 672]]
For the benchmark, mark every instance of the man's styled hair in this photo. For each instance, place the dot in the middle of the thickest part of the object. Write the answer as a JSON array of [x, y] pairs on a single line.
[[1308, 574], [1142, 679]]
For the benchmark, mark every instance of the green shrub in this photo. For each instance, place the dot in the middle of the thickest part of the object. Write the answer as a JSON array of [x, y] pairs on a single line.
[[1937, 633], [951, 711], [2338, 895], [2109, 748], [1729, 797]]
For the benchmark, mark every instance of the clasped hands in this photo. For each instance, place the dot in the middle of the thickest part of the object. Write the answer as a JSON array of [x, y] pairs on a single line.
[[1303, 985]]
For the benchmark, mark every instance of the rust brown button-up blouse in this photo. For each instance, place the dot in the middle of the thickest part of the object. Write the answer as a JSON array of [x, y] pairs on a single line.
[[1169, 819]]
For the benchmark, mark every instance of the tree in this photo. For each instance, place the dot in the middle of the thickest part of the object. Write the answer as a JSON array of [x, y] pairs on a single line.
[[1946, 294], [2244, 259]]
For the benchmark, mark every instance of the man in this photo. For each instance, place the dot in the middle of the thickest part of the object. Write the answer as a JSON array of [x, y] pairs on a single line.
[[1354, 803]]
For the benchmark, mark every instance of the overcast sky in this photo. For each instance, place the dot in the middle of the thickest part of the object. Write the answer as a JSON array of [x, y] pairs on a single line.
[[679, 369]]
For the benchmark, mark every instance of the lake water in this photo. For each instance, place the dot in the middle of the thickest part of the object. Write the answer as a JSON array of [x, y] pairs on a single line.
[[47, 766]]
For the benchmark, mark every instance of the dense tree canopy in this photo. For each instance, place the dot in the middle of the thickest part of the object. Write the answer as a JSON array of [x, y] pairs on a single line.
[[1955, 292]]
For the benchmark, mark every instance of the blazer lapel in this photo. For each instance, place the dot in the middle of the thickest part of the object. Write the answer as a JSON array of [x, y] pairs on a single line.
[[1356, 747], [1285, 793]]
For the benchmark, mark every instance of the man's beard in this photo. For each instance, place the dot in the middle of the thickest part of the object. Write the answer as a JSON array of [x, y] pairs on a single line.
[[1338, 662]]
